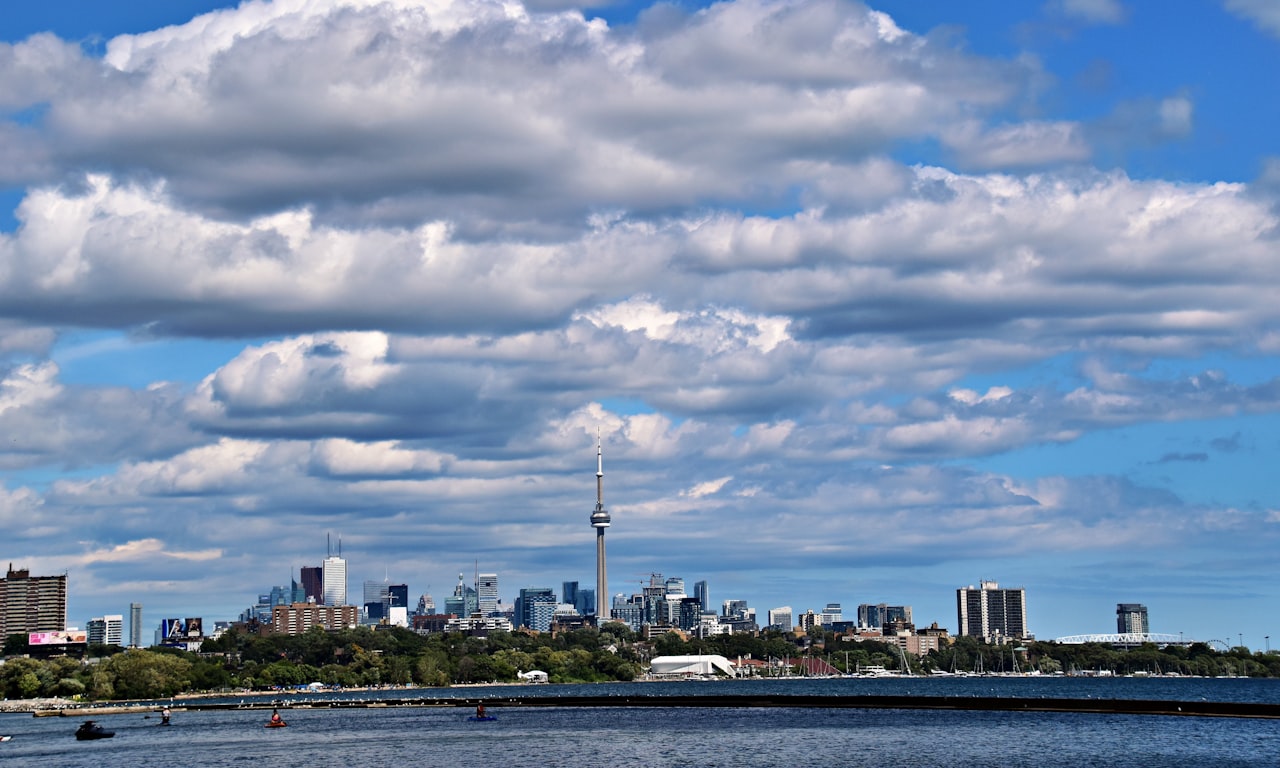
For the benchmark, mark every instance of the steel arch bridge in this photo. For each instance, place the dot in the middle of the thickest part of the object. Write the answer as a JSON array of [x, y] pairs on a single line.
[[1138, 638]]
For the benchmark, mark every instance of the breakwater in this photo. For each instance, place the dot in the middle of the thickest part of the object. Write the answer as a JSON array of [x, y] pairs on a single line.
[[719, 701]]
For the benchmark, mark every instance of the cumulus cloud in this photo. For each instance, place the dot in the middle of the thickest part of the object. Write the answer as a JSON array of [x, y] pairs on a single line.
[[461, 239], [1261, 12]]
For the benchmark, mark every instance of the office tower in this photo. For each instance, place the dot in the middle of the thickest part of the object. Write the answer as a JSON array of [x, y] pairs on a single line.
[[654, 600], [426, 605], [535, 607], [335, 580], [487, 593], [32, 603], [675, 586], [569, 594], [135, 625], [992, 613], [704, 596], [831, 614], [463, 602], [105, 630], [600, 520], [586, 602], [733, 609], [780, 618], [398, 596], [1131, 618], [375, 600], [312, 583]]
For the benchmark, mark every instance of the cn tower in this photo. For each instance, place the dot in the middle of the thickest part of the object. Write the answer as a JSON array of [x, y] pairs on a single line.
[[600, 521]]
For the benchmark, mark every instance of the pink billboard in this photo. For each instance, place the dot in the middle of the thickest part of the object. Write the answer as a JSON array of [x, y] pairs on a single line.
[[58, 637]]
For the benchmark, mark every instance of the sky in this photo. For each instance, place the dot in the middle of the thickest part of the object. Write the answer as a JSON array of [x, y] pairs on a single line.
[[865, 303]]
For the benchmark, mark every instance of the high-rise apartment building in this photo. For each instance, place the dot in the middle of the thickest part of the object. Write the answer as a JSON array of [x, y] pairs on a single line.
[[32, 603], [880, 614], [704, 596], [298, 618], [135, 625], [105, 630], [992, 613], [487, 593], [780, 618], [1131, 618]]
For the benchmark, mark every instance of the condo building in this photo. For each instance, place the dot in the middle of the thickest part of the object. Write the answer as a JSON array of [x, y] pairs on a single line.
[[992, 613], [32, 603]]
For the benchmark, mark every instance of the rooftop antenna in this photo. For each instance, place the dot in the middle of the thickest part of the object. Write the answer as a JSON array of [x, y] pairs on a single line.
[[328, 545]]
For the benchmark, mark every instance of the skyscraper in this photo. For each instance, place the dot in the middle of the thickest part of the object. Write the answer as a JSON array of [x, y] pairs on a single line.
[[600, 520], [334, 570], [135, 625], [780, 618], [32, 603], [105, 630], [463, 601], [704, 597], [1131, 618], [992, 613], [535, 607], [375, 600], [313, 583], [487, 593]]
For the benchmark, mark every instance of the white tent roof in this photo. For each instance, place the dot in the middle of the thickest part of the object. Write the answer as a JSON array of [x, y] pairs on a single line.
[[690, 665]]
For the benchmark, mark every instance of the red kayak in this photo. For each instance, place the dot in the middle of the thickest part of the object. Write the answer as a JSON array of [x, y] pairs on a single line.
[[276, 724]]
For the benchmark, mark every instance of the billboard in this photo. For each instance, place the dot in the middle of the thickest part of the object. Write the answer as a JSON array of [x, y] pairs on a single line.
[[172, 629], [195, 628], [58, 637]]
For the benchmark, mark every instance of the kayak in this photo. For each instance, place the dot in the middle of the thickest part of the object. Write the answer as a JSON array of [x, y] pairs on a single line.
[[276, 724]]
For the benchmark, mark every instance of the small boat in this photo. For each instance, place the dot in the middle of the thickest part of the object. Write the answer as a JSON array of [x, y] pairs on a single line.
[[5, 738], [90, 730], [275, 724]]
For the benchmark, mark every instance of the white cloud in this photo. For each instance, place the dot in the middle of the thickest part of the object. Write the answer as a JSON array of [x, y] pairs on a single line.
[[1264, 13], [1093, 11]]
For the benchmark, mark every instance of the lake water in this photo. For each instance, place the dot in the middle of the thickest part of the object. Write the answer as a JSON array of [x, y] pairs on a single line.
[[661, 736]]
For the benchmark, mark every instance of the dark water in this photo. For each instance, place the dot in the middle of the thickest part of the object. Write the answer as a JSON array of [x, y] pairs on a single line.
[[659, 736]]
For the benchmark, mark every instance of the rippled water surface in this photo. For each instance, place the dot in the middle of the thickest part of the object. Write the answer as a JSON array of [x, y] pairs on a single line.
[[661, 736]]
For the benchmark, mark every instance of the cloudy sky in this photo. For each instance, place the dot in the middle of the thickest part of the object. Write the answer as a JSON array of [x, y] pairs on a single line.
[[867, 302]]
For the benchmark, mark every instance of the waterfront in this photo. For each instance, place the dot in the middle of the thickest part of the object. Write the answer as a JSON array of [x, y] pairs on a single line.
[[678, 736]]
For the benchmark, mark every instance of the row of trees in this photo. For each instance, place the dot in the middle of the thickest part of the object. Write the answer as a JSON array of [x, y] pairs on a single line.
[[364, 657]]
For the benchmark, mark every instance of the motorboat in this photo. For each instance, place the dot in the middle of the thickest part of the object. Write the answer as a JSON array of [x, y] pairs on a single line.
[[90, 730]]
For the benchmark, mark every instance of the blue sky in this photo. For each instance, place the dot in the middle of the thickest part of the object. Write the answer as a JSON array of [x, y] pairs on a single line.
[[869, 302]]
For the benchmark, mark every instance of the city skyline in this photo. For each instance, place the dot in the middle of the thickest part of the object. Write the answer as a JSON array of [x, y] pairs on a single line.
[[864, 301]]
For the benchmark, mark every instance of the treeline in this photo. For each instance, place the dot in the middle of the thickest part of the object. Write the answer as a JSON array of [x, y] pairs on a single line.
[[363, 657], [358, 657]]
